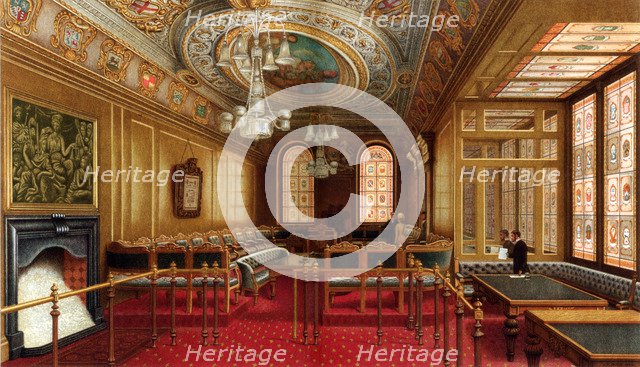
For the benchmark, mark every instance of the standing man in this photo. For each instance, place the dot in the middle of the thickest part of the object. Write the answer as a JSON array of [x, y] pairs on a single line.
[[506, 242], [519, 253]]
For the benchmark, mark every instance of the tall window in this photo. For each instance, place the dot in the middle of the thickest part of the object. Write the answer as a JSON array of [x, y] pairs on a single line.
[[376, 184], [584, 160], [301, 186], [509, 190], [550, 189], [620, 170]]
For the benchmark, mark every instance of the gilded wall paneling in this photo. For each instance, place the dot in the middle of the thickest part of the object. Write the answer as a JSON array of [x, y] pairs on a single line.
[[72, 36]]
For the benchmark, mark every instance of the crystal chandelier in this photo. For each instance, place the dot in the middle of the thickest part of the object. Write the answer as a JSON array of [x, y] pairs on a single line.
[[320, 168], [255, 119]]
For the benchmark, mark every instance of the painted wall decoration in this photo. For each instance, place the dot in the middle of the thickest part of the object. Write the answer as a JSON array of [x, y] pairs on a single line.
[[444, 52], [317, 63], [52, 154], [201, 110], [176, 95], [149, 15], [150, 77], [20, 15], [72, 37], [114, 60]]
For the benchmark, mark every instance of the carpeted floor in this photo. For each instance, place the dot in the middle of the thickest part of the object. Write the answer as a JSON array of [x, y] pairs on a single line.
[[268, 326]]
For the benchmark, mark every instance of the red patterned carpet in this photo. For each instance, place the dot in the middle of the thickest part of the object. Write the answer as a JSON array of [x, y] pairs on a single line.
[[268, 326]]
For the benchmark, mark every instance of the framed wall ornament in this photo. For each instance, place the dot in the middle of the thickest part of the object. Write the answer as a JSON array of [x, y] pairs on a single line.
[[72, 37], [176, 95], [149, 15], [51, 154], [149, 78], [20, 15], [201, 110], [187, 193], [114, 60], [188, 78]]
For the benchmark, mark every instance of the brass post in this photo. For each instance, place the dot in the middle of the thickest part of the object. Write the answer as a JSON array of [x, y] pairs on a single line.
[[111, 294], [172, 332], [295, 308], [477, 334], [216, 279], [445, 316], [459, 322], [436, 307], [154, 295], [205, 280], [305, 332], [379, 333], [316, 331], [55, 313], [410, 319]]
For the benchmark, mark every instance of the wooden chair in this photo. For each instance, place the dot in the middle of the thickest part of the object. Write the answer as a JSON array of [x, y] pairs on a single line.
[[127, 258], [232, 242], [627, 304], [342, 284]]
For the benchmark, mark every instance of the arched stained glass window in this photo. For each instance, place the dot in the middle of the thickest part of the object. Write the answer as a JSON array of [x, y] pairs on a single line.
[[301, 186], [376, 184]]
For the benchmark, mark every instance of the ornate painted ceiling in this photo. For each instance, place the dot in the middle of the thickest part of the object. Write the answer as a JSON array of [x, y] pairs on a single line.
[[406, 64]]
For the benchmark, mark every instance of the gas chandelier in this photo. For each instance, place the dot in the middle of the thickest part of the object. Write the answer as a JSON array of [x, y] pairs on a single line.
[[320, 168], [255, 119]]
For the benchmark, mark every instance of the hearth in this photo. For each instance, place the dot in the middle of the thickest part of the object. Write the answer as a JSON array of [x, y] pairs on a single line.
[[40, 250]]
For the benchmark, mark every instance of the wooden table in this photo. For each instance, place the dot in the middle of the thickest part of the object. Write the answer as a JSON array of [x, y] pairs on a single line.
[[538, 292], [585, 337]]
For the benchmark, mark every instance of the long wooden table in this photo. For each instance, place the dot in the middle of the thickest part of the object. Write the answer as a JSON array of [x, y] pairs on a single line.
[[585, 337], [538, 292]]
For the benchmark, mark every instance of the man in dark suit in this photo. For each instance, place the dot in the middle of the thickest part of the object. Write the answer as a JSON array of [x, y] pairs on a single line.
[[519, 253]]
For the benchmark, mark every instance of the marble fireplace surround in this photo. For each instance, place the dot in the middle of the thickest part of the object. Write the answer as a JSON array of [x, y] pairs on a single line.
[[26, 237]]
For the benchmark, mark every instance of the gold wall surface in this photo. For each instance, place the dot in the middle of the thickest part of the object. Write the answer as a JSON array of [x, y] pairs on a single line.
[[443, 182], [131, 132]]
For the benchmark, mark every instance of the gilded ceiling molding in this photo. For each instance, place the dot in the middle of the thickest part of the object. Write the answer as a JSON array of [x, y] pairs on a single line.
[[201, 110], [187, 77], [114, 60], [249, 4], [72, 37], [149, 79], [176, 95], [372, 53], [20, 15], [149, 15]]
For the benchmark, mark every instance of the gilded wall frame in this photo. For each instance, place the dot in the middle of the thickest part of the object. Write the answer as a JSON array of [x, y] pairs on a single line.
[[52, 180]]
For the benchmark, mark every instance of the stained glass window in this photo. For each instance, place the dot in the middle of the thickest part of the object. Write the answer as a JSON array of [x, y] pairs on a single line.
[[550, 189], [620, 170], [584, 159], [376, 184], [301, 185], [525, 192]]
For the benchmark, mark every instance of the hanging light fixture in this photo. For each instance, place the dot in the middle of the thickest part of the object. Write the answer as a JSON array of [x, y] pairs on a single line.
[[320, 167], [255, 119]]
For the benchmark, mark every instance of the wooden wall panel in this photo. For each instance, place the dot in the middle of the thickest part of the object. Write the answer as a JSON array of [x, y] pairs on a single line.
[[443, 182]]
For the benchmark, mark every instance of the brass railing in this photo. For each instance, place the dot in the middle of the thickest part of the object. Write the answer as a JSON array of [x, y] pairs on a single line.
[[111, 285], [442, 285]]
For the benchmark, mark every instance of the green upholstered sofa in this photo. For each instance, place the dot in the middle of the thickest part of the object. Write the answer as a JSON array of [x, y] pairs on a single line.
[[254, 272]]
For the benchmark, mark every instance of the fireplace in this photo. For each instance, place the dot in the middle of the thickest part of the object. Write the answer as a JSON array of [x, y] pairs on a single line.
[[40, 250]]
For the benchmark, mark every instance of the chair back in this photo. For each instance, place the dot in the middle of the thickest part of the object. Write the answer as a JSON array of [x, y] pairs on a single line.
[[209, 253], [166, 251], [388, 254], [127, 256], [213, 237], [439, 252], [339, 249]]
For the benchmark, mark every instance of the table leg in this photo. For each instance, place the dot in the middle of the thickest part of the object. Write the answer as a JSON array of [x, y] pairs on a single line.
[[511, 332], [533, 350]]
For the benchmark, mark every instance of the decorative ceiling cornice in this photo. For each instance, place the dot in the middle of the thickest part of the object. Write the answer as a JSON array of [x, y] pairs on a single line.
[[493, 22]]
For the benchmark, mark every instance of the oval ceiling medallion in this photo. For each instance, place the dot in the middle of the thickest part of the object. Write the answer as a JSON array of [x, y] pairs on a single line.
[[327, 50]]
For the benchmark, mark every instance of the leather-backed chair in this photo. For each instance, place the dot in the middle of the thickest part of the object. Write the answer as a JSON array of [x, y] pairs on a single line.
[[166, 251], [437, 253], [232, 243], [342, 284], [255, 274], [125, 258]]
